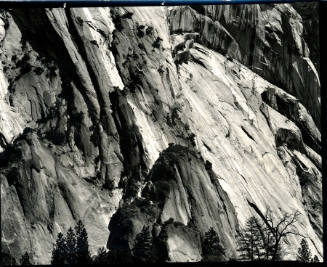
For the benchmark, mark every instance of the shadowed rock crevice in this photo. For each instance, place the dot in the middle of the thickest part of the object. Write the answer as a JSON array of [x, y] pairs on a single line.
[[293, 110], [135, 166]]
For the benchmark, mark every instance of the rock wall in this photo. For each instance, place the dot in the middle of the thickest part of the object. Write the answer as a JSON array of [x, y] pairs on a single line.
[[183, 197], [176, 118]]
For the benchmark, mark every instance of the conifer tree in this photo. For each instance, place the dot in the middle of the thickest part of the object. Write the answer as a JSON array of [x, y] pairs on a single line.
[[71, 246], [59, 251], [315, 259], [162, 250], [25, 259], [304, 253], [101, 257], [82, 245], [251, 242], [267, 242], [142, 250], [211, 248]]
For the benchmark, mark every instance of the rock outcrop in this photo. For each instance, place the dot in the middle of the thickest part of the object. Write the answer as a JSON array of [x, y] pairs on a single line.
[[183, 197], [175, 118], [267, 38]]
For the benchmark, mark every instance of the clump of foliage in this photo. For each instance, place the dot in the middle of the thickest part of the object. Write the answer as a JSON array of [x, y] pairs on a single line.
[[192, 140], [59, 251], [105, 257], [304, 253], [72, 249], [250, 241], [157, 42], [25, 259], [315, 259], [160, 243], [142, 250], [24, 64], [208, 165], [82, 245], [212, 250], [6, 259], [149, 30], [140, 30]]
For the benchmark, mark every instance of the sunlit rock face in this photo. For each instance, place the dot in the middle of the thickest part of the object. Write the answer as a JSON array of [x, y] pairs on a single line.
[[184, 197], [268, 38], [174, 118]]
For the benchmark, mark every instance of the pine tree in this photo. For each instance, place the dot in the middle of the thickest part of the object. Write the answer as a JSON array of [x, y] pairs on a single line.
[[82, 245], [71, 246], [304, 253], [251, 243], [267, 245], [25, 259], [211, 248], [101, 257], [142, 250], [160, 245], [315, 259], [59, 251]]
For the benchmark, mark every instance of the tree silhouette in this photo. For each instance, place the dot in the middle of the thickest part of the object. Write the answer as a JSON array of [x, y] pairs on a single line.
[[304, 253], [72, 249], [211, 248], [315, 259], [251, 243], [160, 243], [120, 257], [101, 256], [25, 259], [142, 250], [59, 251], [264, 240], [6, 259], [82, 245], [279, 230], [71, 246]]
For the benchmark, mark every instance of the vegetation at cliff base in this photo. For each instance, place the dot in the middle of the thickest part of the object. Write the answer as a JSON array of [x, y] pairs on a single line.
[[304, 253], [212, 250], [25, 259], [72, 249], [142, 250], [263, 237]]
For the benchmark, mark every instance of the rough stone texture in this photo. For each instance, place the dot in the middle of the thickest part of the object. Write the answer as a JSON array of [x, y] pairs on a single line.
[[180, 189], [91, 98], [267, 38], [310, 20]]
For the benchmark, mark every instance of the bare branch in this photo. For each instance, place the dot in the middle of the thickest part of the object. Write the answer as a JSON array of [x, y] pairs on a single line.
[[290, 223]]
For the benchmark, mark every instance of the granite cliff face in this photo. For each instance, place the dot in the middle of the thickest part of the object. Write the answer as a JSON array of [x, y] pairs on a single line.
[[177, 118]]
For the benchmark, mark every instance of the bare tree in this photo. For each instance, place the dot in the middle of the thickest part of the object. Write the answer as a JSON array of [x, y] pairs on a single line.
[[276, 232], [264, 240]]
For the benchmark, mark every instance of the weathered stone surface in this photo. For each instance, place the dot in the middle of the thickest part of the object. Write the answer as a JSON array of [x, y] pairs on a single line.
[[41, 196], [89, 107], [310, 20], [182, 189], [267, 38]]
